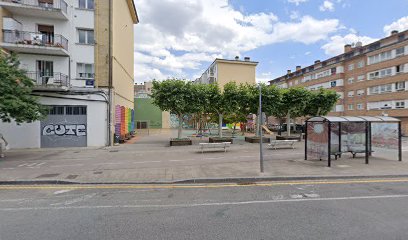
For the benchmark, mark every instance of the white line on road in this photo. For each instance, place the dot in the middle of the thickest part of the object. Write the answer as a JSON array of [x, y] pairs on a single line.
[[195, 204], [176, 160], [146, 162]]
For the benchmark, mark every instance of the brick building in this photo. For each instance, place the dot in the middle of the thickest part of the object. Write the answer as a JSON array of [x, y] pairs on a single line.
[[371, 80]]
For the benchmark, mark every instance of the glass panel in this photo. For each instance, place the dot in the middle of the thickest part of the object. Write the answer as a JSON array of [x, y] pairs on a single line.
[[385, 140], [353, 136], [81, 36], [82, 4], [317, 140], [91, 37], [90, 4]]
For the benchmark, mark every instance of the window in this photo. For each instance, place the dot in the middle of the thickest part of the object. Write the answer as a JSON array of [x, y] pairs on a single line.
[[400, 104], [350, 94], [350, 107], [386, 88], [86, 4], [399, 51], [360, 64], [86, 36], [75, 110], [333, 71], [350, 80], [379, 57], [399, 68], [380, 74], [56, 110], [333, 83], [360, 92], [400, 86], [360, 78], [360, 106], [374, 90], [351, 67], [85, 71]]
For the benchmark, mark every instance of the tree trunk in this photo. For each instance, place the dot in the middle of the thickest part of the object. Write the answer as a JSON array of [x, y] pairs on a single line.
[[288, 123], [179, 135], [220, 125]]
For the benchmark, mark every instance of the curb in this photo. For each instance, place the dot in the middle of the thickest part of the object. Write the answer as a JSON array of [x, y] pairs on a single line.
[[238, 180]]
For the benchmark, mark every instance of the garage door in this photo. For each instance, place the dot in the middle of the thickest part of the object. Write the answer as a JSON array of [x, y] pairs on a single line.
[[65, 126]]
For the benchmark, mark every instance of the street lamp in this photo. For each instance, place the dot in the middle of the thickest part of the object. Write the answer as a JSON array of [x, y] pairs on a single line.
[[260, 117]]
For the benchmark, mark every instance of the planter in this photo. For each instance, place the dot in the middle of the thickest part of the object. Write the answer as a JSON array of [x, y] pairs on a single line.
[[256, 139], [180, 142], [288, 137], [220, 140]]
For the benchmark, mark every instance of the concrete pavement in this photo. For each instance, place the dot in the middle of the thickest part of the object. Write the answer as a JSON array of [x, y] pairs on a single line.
[[150, 159], [351, 209]]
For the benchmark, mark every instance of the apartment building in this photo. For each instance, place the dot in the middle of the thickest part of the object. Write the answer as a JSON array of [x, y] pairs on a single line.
[[371, 80], [222, 71], [79, 54]]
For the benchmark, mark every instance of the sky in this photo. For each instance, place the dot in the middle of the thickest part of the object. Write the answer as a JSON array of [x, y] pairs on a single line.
[[181, 38]]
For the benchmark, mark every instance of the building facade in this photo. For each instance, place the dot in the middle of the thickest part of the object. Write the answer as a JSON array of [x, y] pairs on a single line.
[[371, 80], [222, 71], [79, 54]]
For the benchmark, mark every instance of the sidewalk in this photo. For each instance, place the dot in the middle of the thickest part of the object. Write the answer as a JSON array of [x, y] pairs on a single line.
[[150, 159]]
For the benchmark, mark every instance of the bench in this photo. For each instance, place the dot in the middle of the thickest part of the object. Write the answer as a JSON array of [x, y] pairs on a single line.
[[336, 154], [275, 143], [223, 145], [355, 151]]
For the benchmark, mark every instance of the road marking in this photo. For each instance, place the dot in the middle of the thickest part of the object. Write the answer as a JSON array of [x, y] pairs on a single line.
[[62, 191], [75, 200], [65, 207], [184, 186], [176, 160]]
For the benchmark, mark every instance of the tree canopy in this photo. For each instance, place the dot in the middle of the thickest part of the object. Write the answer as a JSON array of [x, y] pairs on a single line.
[[321, 102], [16, 101]]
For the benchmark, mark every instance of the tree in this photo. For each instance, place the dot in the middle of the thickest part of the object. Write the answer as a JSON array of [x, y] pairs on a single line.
[[223, 102], [293, 104], [16, 101], [321, 102], [176, 96]]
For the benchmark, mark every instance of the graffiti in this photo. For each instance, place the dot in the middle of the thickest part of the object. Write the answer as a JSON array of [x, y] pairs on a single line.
[[78, 130]]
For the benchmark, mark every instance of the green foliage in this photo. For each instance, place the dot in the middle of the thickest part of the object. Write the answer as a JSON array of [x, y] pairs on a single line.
[[294, 101], [16, 101], [321, 102], [175, 95]]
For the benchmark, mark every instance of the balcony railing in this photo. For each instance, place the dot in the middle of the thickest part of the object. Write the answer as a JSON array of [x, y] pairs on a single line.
[[55, 5], [51, 79], [35, 39], [86, 75]]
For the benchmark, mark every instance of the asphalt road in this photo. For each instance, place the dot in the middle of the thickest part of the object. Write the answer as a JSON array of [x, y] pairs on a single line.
[[335, 209]]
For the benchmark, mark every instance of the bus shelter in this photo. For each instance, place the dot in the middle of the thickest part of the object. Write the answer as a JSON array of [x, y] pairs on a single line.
[[327, 137]]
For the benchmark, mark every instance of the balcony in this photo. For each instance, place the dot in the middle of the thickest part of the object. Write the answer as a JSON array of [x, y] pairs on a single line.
[[50, 82], [35, 43], [54, 9]]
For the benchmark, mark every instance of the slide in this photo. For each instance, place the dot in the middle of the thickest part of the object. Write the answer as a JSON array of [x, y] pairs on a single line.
[[266, 129]]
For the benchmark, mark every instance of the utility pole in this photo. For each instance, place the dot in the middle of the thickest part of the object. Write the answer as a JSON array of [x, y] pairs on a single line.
[[260, 117]]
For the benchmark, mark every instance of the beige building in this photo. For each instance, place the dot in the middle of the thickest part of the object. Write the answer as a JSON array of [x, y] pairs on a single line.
[[371, 80], [222, 71]]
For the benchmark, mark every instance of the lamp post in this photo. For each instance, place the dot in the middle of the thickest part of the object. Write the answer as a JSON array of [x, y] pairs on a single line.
[[260, 117]]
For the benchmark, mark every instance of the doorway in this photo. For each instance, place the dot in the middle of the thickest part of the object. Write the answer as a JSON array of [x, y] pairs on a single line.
[[47, 33], [45, 71]]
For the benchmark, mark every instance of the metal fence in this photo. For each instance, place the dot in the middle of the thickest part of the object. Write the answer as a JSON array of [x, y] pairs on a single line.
[[54, 79], [35, 39]]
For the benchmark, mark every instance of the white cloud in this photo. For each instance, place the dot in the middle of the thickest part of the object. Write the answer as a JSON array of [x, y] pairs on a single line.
[[176, 36], [297, 2], [327, 6], [294, 15], [400, 25], [308, 53], [336, 44]]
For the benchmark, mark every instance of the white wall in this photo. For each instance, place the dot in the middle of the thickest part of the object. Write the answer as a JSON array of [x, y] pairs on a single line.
[[27, 135], [28, 62]]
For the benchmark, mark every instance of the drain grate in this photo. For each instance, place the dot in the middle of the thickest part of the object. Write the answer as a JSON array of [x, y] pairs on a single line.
[[72, 176], [49, 175], [97, 173]]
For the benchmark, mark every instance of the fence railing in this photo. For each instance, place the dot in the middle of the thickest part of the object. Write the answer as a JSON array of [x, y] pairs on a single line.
[[55, 4], [35, 39], [50, 79]]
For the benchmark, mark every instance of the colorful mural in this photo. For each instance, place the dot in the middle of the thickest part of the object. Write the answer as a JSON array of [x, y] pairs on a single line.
[[124, 120]]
